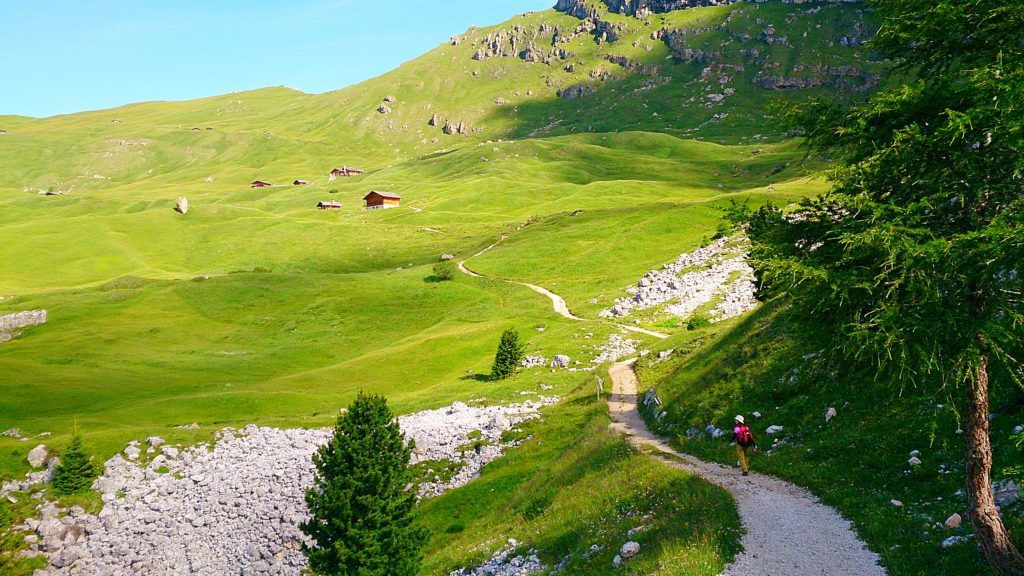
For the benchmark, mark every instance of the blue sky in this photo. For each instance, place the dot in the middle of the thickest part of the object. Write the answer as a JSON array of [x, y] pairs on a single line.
[[68, 56]]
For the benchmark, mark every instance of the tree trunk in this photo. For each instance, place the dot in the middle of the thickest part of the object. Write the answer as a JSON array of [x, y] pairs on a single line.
[[988, 526]]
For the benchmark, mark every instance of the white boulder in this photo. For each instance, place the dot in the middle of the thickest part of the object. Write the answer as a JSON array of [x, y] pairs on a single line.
[[37, 457], [560, 361], [629, 549], [953, 522]]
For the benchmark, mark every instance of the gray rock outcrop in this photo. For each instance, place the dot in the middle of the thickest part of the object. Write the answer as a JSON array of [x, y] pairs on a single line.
[[10, 323]]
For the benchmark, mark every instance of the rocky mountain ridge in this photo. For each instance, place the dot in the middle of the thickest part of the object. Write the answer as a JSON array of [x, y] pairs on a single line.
[[645, 8]]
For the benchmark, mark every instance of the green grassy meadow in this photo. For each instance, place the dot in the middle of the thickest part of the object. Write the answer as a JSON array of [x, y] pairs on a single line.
[[256, 307]]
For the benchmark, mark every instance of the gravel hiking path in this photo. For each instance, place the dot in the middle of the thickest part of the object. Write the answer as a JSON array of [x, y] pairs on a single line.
[[788, 531]]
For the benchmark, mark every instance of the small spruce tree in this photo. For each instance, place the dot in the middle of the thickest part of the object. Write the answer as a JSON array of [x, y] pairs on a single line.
[[509, 355], [360, 507], [76, 471]]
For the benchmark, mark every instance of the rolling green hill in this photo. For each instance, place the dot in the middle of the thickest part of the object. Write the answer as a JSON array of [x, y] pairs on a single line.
[[593, 190], [594, 148]]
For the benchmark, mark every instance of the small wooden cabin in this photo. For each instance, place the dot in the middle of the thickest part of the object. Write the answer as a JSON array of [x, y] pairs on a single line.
[[261, 184], [345, 172], [300, 182], [379, 200], [328, 205]]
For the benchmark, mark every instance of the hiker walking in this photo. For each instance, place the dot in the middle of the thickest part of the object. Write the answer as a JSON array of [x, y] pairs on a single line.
[[744, 440]]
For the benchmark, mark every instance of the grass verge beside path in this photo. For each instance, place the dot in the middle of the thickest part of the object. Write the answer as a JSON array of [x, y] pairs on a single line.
[[574, 484], [857, 462]]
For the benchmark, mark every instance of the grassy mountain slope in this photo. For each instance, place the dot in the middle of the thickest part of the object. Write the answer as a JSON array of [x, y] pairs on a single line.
[[256, 307], [858, 461], [309, 306]]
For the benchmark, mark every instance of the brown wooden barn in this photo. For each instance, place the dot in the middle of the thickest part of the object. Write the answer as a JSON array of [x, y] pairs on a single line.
[[261, 184], [328, 205], [379, 200]]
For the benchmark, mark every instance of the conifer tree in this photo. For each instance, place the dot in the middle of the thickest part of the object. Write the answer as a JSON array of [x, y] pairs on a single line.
[[509, 355], [76, 471], [912, 261], [360, 507]]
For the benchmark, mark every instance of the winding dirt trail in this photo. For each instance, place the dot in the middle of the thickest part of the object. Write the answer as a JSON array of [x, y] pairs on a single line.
[[788, 531], [557, 302]]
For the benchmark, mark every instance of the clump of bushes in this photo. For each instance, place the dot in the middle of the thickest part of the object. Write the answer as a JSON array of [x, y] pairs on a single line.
[[444, 271], [696, 322]]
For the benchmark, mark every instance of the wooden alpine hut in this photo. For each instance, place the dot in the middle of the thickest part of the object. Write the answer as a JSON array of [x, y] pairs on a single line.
[[345, 171], [380, 200], [328, 205]]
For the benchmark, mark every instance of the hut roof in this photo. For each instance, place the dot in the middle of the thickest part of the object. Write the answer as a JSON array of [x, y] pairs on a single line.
[[383, 195]]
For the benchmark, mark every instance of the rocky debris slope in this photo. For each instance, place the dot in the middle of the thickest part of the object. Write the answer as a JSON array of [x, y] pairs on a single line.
[[617, 346], [10, 323], [504, 564], [718, 271], [234, 507]]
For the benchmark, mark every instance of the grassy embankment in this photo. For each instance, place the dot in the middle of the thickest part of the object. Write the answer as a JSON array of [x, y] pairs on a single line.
[[574, 485], [857, 462]]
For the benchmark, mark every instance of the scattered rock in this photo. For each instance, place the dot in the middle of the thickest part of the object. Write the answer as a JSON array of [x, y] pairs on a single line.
[[560, 361], [1007, 493], [953, 522], [459, 127], [390, 98], [38, 455], [954, 540], [914, 453], [756, 415], [617, 346], [447, 257], [181, 206], [915, 461], [132, 452], [830, 414], [774, 429], [533, 362], [502, 563], [154, 441], [629, 550], [384, 109]]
